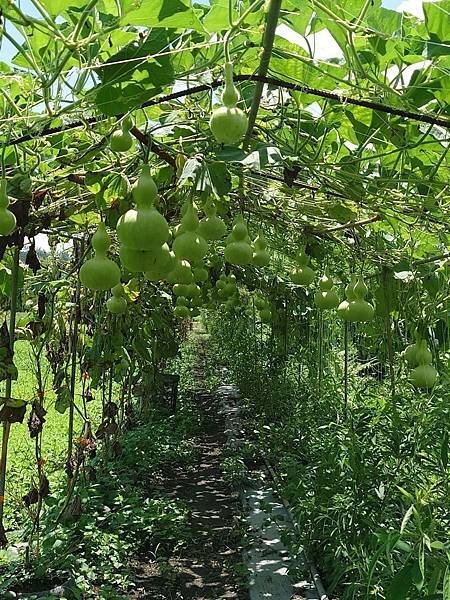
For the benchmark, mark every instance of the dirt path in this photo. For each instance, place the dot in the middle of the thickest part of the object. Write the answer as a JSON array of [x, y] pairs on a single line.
[[204, 570]]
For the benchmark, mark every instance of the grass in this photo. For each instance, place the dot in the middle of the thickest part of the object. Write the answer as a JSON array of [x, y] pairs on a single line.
[[21, 467]]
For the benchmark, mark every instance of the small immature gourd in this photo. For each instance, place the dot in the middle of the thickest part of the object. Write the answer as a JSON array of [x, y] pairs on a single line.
[[326, 297], [212, 227], [143, 228], [189, 245], [100, 273], [238, 251], [261, 256], [117, 304], [7, 218], [302, 273], [228, 123], [359, 310], [121, 139]]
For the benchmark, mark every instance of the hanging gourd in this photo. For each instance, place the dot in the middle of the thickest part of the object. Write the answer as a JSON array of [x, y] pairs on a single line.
[[121, 139], [192, 290], [326, 297], [424, 375], [137, 261], [350, 296], [212, 228], [302, 273], [189, 245], [182, 312], [410, 353], [200, 274], [100, 273], [228, 123], [7, 218], [181, 272], [221, 282], [143, 228], [117, 304], [261, 256], [238, 251], [180, 289], [359, 310]]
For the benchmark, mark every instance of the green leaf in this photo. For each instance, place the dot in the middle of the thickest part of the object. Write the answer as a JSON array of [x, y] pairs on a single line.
[[437, 19], [57, 7], [401, 584], [174, 14], [217, 17]]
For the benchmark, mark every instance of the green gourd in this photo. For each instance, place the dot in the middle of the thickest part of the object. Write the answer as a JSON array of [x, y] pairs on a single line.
[[326, 297], [143, 228], [228, 123], [7, 218], [423, 354], [181, 301], [192, 291], [424, 376], [117, 304], [221, 282], [121, 139], [212, 227], [302, 273], [100, 273], [189, 245], [359, 310], [343, 306], [410, 353], [182, 312], [180, 289], [200, 274], [238, 251], [261, 256], [181, 272]]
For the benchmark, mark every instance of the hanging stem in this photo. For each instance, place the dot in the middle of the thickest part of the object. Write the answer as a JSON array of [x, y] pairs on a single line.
[[7, 425], [320, 350], [268, 39], [73, 373], [345, 368]]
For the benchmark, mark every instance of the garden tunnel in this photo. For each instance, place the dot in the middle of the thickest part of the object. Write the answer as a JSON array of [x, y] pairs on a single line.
[[199, 190]]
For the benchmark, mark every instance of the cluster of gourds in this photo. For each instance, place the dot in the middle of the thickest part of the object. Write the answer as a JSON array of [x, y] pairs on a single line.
[[354, 309], [227, 290], [7, 218], [419, 358]]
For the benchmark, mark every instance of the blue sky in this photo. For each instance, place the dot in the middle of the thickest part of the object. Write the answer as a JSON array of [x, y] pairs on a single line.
[[7, 51]]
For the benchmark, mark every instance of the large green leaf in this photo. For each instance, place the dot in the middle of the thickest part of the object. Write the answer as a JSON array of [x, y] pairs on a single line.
[[175, 14], [437, 19], [57, 7]]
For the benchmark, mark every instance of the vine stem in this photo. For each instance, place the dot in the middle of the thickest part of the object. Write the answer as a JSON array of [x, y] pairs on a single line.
[[78, 251], [345, 368], [273, 15], [303, 89], [7, 424]]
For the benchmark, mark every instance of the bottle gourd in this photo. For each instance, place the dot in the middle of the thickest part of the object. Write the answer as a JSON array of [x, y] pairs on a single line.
[[228, 123], [100, 273]]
